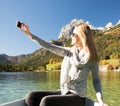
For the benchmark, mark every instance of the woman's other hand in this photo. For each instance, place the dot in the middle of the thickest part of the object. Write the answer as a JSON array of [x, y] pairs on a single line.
[[103, 104]]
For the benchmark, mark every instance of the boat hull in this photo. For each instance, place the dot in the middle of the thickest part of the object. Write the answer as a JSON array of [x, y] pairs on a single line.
[[20, 102]]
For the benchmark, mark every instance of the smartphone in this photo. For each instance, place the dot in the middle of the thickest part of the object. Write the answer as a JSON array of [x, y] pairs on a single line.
[[19, 24]]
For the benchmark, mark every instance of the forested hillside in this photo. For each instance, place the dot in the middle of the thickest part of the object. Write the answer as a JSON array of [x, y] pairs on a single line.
[[108, 43]]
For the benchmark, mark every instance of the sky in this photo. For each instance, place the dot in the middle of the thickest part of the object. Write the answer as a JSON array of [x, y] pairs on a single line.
[[45, 19]]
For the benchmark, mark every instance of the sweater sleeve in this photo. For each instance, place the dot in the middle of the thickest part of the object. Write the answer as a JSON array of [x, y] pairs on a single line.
[[51, 47], [96, 79]]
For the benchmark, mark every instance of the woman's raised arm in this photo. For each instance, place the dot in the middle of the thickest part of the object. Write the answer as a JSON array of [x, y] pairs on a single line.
[[51, 47]]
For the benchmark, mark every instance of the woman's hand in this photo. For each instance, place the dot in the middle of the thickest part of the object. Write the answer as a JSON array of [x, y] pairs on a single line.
[[100, 100], [25, 29], [103, 104]]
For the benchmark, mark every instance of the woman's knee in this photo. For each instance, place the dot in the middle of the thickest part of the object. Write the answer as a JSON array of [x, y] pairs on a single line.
[[29, 98], [46, 101]]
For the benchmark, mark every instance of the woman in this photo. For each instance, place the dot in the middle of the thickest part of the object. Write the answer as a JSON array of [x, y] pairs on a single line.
[[77, 63]]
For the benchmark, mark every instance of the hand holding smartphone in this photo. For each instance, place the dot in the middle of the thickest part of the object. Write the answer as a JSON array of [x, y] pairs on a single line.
[[23, 28]]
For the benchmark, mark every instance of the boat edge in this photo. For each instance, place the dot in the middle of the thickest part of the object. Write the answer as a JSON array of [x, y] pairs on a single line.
[[19, 102]]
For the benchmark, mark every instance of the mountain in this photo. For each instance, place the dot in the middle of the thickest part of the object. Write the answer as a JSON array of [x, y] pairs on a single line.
[[115, 30], [64, 33], [3, 59], [106, 38], [66, 28], [11, 59]]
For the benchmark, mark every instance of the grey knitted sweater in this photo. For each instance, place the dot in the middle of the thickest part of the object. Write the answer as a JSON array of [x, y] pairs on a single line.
[[74, 77]]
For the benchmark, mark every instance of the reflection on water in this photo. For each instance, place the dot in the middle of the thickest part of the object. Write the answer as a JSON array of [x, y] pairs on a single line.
[[111, 88], [16, 85]]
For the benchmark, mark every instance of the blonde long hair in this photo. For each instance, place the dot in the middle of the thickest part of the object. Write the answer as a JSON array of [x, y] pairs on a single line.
[[85, 35]]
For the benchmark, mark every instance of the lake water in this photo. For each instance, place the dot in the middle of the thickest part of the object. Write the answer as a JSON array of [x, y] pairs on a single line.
[[15, 85]]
